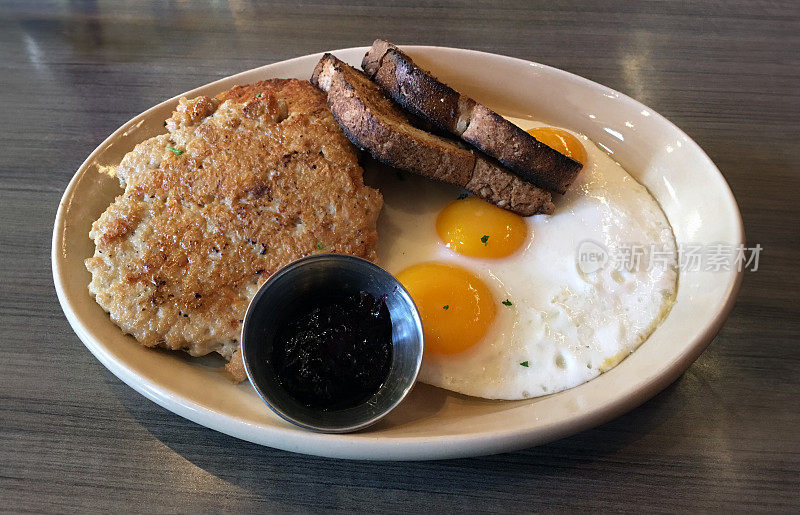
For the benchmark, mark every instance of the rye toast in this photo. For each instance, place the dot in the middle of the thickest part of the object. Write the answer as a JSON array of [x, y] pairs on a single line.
[[419, 92], [374, 122]]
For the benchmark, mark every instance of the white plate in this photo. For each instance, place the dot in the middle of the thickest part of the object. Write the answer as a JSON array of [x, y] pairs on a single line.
[[433, 423]]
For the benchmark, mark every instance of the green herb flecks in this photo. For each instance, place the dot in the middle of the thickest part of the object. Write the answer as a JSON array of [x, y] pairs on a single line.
[[462, 196], [506, 302], [320, 246], [175, 151], [524, 363], [485, 239], [446, 306]]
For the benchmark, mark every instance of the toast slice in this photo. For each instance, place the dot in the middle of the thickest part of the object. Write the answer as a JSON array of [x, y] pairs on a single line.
[[373, 122], [422, 94]]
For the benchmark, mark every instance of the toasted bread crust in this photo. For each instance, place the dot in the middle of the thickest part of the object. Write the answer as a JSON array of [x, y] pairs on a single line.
[[414, 89], [427, 97], [373, 122]]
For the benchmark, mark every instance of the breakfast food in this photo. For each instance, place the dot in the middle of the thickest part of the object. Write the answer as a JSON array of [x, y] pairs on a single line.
[[375, 123], [261, 175], [507, 311], [425, 96], [335, 352], [241, 185]]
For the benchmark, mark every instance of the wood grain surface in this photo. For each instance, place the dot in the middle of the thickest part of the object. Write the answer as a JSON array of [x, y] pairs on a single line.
[[725, 436]]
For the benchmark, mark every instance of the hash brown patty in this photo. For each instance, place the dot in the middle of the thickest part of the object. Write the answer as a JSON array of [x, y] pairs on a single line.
[[241, 185]]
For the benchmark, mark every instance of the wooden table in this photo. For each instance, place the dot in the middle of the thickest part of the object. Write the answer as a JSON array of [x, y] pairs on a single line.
[[726, 435]]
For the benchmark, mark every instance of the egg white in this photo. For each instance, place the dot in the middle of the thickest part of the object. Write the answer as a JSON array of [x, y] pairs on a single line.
[[566, 325]]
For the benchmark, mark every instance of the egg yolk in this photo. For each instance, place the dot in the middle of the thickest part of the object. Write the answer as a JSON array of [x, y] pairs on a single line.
[[562, 141], [474, 227], [456, 307]]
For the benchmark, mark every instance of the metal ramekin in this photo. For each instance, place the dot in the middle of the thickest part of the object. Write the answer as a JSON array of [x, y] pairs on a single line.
[[305, 279]]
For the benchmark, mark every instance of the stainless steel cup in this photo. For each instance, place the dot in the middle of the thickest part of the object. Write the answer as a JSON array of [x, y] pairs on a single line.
[[304, 280]]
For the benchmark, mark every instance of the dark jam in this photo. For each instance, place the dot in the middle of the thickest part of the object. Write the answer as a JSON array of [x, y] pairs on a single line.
[[335, 353]]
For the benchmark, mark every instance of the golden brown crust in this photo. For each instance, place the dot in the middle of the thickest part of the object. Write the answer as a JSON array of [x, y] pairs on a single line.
[[374, 122], [260, 176], [422, 94]]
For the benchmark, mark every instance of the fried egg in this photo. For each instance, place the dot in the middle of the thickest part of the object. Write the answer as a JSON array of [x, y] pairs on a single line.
[[509, 311]]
